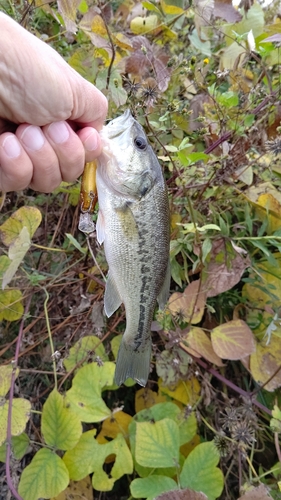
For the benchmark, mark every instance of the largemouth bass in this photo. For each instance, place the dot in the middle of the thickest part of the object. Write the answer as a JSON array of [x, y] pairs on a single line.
[[133, 225]]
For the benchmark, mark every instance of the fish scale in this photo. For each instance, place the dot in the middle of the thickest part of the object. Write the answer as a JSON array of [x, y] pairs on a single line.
[[134, 228]]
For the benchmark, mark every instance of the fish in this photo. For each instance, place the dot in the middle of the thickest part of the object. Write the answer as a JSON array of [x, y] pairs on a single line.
[[133, 225]]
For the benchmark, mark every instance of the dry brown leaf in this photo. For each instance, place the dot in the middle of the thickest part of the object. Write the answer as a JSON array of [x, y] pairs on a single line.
[[259, 493], [225, 10], [77, 490], [204, 11], [185, 494], [142, 61], [67, 9], [224, 270], [190, 304], [233, 340]]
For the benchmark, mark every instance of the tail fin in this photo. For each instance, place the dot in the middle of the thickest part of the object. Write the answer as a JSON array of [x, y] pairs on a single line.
[[132, 363]]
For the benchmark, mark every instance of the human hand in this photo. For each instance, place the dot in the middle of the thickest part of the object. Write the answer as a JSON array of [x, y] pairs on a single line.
[[54, 114]]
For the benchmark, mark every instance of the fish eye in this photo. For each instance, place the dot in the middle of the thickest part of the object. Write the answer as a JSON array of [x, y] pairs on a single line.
[[140, 143]]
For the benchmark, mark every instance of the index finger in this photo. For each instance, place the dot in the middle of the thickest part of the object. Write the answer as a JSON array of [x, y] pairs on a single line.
[[89, 106]]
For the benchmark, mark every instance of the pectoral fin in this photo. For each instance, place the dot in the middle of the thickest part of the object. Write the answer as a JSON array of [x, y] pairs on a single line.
[[100, 228], [127, 221], [112, 299], [165, 290]]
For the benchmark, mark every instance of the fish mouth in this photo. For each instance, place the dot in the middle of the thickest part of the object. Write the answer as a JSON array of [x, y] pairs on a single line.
[[119, 125]]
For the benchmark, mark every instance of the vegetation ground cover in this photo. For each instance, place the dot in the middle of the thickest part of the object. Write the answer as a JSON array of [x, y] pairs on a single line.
[[203, 78]]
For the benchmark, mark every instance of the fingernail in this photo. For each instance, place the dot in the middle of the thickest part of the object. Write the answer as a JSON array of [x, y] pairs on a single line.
[[33, 138], [11, 146], [91, 143], [58, 131]]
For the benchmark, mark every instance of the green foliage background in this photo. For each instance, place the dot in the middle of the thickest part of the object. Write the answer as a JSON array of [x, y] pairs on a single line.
[[203, 78]]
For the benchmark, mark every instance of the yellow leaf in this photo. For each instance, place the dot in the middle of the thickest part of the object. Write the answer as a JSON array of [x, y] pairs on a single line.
[[122, 41], [77, 490], [29, 217], [146, 398], [233, 340], [265, 362], [117, 423], [98, 26], [264, 295], [186, 448], [199, 344], [17, 251], [190, 304], [267, 201], [141, 25], [5, 378], [20, 415], [171, 9], [186, 392], [11, 307]]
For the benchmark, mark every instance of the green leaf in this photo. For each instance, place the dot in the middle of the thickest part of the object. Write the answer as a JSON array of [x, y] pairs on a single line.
[[200, 473], [254, 20], [89, 346], [157, 443], [17, 251], [20, 415], [228, 99], [151, 6], [206, 248], [171, 9], [20, 445], [275, 422], [4, 264], [76, 243], [11, 307], [151, 487], [195, 157], [171, 148], [158, 412], [80, 459], [46, 476], [203, 47], [83, 7], [177, 272], [84, 398], [116, 91], [60, 427], [89, 456], [187, 426], [249, 120], [29, 217]]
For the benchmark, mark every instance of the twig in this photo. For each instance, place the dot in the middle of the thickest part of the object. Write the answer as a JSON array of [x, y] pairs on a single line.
[[232, 386], [9, 423], [277, 445], [112, 48]]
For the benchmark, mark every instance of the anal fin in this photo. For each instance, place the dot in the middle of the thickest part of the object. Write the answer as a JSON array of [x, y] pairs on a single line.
[[112, 299]]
